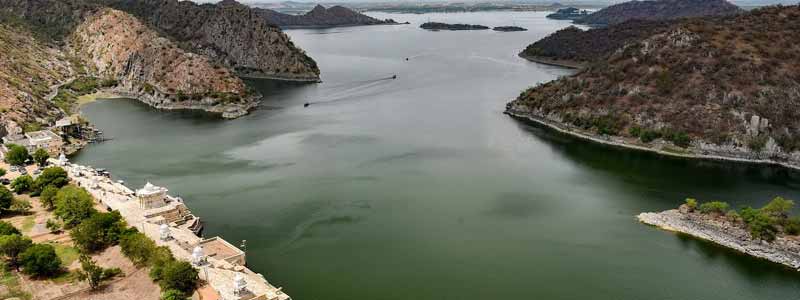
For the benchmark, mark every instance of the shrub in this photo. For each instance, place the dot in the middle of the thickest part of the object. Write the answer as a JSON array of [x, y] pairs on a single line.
[[97, 232], [17, 155], [649, 135], [22, 184], [173, 295], [778, 207], [2, 172], [7, 229], [20, 205], [73, 205], [717, 207], [40, 157], [180, 276], [53, 225], [40, 260], [6, 198], [733, 216], [691, 203], [55, 176], [760, 225]]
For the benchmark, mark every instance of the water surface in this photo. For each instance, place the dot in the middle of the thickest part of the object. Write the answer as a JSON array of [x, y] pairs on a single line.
[[420, 188]]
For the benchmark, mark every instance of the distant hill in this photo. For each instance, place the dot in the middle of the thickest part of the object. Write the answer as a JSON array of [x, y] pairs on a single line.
[[659, 10], [727, 87], [575, 47], [569, 13], [321, 17]]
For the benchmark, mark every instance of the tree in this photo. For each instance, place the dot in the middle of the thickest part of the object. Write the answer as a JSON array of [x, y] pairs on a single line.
[[179, 275], [20, 205], [17, 155], [12, 246], [6, 198], [137, 247], [98, 231], [760, 225], [22, 184], [55, 176], [2, 172], [94, 274], [73, 205], [40, 156], [48, 197], [716, 207], [40, 260], [691, 203], [7, 229], [778, 207], [173, 295]]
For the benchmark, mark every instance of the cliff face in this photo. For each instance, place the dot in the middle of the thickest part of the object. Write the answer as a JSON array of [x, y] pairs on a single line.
[[116, 45], [728, 87], [229, 33], [321, 17], [28, 69], [659, 10]]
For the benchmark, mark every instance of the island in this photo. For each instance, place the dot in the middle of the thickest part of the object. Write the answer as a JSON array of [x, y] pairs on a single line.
[[509, 28], [769, 232], [444, 26], [569, 13]]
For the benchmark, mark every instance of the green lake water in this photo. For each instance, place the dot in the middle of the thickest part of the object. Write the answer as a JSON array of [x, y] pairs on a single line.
[[420, 188]]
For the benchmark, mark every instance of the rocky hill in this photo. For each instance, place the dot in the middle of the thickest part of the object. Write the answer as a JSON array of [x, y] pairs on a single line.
[[229, 33], [114, 44], [320, 16], [659, 10], [724, 88], [574, 47], [28, 69]]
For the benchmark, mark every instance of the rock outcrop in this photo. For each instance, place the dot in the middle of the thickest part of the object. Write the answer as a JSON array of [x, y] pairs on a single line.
[[321, 17], [659, 10], [783, 250], [700, 88], [114, 44]]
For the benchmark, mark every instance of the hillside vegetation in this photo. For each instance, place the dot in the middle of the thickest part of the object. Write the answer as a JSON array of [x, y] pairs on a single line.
[[659, 10], [728, 86]]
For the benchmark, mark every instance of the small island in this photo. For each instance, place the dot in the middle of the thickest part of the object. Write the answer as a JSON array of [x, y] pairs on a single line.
[[769, 232], [445, 26], [509, 28]]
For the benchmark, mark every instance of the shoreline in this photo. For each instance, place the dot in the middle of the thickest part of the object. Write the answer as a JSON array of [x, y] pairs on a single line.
[[558, 127], [571, 64], [781, 251]]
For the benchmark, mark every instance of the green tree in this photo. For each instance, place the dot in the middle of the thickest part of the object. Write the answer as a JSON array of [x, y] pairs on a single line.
[[48, 197], [137, 247], [98, 231], [17, 155], [73, 205], [760, 225], [159, 260], [22, 184], [53, 225], [40, 156], [55, 176], [716, 207], [6, 198], [12, 246], [173, 295], [179, 275], [2, 172], [94, 274], [778, 207], [40, 260], [7, 229]]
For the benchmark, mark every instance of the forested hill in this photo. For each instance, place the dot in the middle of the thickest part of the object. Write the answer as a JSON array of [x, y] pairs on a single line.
[[727, 85]]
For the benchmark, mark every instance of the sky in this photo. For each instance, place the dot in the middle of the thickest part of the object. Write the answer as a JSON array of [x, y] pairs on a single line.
[[738, 2]]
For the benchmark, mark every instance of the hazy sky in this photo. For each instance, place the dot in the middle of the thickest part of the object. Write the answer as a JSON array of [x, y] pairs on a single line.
[[739, 2]]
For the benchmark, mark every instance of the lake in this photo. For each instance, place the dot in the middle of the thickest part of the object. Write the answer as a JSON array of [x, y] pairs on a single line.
[[420, 188]]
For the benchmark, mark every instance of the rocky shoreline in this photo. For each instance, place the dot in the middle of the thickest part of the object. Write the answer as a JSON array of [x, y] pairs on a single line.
[[207, 104], [662, 149], [572, 64], [782, 250]]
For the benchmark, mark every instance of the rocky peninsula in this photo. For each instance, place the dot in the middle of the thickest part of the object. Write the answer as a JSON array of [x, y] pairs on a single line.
[[435, 26], [730, 230]]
